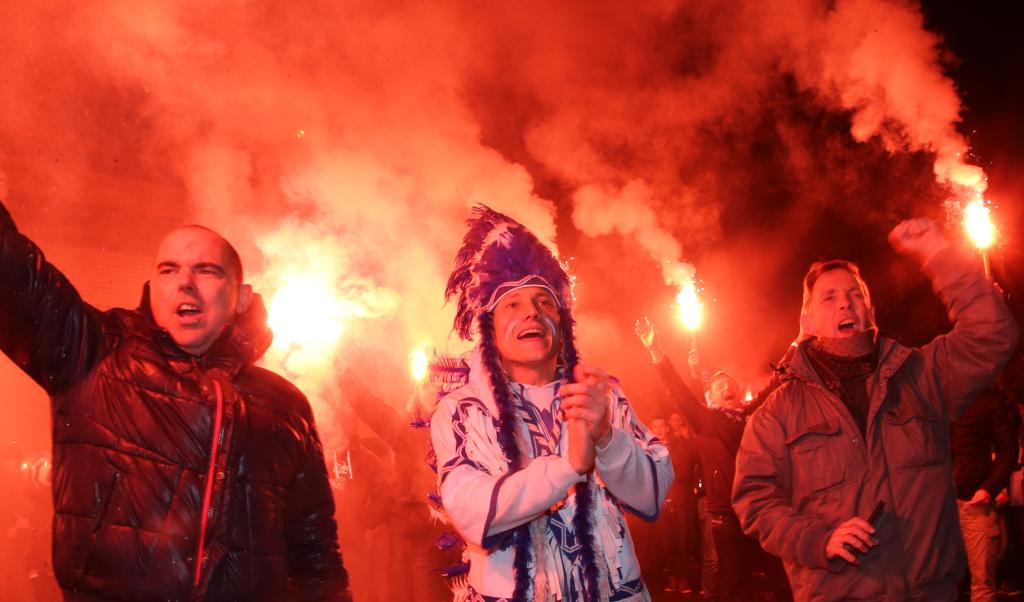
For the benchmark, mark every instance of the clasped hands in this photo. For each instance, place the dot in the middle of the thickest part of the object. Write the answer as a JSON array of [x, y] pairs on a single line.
[[584, 407]]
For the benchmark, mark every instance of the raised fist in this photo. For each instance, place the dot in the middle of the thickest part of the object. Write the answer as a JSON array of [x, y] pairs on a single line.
[[920, 238]]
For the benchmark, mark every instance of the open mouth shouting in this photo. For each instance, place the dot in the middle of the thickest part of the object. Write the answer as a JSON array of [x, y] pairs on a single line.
[[847, 326], [188, 313]]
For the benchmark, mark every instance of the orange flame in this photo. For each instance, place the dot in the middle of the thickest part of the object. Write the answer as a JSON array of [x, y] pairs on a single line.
[[978, 224], [314, 298], [690, 308], [305, 313], [418, 364]]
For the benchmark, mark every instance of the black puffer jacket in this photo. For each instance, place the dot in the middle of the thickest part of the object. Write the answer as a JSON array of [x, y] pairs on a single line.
[[134, 420]]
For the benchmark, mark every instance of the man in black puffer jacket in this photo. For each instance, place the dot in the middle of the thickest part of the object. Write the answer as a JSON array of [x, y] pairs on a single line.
[[181, 471]]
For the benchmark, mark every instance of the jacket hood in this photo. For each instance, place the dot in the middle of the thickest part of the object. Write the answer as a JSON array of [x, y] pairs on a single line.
[[244, 341]]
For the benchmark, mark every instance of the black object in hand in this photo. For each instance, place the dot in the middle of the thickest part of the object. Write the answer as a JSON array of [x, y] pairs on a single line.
[[876, 513]]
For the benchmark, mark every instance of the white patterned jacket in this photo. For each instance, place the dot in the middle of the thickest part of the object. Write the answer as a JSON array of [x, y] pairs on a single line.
[[484, 503]]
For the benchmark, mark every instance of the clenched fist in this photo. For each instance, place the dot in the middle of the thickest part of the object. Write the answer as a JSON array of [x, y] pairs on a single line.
[[920, 238]]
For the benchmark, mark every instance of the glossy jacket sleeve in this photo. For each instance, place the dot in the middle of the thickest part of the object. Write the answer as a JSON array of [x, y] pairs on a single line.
[[315, 568], [45, 326]]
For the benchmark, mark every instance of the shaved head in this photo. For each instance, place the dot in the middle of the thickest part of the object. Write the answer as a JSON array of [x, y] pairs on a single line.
[[233, 259], [196, 289]]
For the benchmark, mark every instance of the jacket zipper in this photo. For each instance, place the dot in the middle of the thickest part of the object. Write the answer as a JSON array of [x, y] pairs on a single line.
[[207, 511]]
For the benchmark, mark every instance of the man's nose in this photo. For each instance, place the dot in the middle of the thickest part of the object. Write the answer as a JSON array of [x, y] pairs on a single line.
[[185, 280]]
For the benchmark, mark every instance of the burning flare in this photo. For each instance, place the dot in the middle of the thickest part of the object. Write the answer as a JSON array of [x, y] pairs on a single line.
[[418, 364], [305, 313], [690, 307], [978, 224]]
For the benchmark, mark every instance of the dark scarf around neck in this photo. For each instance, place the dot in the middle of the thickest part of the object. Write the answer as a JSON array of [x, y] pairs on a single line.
[[847, 357]]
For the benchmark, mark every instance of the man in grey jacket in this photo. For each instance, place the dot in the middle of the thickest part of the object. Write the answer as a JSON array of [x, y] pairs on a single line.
[[859, 420]]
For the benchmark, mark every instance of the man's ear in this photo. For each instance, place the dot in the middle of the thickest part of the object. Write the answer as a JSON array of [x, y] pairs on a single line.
[[244, 298], [806, 327], [871, 311]]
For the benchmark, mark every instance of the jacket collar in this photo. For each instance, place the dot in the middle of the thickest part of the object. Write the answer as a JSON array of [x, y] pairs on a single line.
[[243, 342], [891, 355]]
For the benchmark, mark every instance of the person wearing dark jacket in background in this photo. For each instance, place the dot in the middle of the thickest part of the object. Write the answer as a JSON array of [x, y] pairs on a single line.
[[718, 429], [681, 505], [413, 547], [181, 471], [985, 448], [861, 419]]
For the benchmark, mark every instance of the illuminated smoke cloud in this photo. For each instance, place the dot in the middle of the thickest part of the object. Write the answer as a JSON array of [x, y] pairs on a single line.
[[629, 212], [660, 118], [335, 119], [627, 109], [364, 131], [877, 60]]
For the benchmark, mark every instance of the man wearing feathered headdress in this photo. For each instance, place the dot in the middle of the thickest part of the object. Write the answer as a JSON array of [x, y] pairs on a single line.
[[538, 454]]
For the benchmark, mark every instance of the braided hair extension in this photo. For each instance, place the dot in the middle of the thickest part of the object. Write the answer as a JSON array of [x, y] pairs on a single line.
[[508, 427], [582, 522]]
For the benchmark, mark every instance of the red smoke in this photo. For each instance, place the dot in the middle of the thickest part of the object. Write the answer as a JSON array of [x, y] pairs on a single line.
[[630, 134]]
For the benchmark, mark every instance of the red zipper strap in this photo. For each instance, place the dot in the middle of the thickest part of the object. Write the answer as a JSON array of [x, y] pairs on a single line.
[[208, 494]]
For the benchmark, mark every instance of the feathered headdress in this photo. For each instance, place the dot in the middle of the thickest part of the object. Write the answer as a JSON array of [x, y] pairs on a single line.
[[499, 255]]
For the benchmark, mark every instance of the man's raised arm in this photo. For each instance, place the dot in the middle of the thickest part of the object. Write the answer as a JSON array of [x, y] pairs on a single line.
[[693, 408], [45, 327], [314, 560], [956, 366]]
